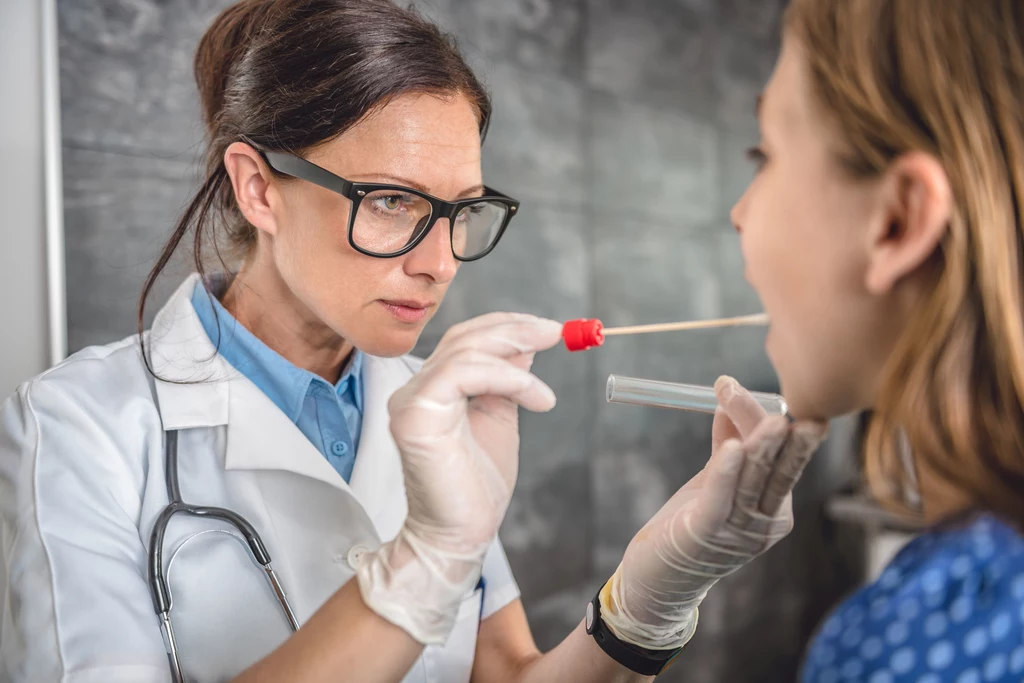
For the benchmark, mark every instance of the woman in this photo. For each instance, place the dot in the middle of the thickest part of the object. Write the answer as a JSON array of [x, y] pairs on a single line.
[[891, 154], [344, 169]]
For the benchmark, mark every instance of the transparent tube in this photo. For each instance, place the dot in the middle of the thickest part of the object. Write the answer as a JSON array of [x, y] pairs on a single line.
[[645, 392]]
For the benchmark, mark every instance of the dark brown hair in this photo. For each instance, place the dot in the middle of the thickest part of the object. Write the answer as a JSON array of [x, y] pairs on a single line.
[[288, 75], [945, 78]]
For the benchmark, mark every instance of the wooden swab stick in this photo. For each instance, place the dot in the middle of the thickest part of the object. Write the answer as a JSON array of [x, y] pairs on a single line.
[[583, 334], [756, 319]]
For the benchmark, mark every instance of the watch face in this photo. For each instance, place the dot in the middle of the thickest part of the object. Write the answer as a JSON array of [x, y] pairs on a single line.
[[590, 617]]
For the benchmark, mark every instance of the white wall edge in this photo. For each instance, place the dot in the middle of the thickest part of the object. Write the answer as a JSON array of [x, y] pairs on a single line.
[[53, 184]]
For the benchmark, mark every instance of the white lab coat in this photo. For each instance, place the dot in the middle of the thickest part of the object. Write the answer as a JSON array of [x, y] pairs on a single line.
[[82, 479]]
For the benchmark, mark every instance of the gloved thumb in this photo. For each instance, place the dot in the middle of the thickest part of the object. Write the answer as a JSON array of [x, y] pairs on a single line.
[[738, 405]]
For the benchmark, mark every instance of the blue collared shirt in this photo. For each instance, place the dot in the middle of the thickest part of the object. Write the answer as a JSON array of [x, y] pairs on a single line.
[[330, 416]]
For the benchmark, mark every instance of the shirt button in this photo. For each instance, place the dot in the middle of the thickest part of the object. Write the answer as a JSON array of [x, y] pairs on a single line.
[[339, 448], [355, 555]]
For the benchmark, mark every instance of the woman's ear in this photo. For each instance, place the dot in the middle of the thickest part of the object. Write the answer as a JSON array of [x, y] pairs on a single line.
[[251, 182], [914, 216]]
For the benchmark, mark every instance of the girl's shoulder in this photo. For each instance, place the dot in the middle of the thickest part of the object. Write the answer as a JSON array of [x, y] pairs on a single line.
[[950, 605]]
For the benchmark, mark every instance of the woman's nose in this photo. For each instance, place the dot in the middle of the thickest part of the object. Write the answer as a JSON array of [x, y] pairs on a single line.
[[433, 256]]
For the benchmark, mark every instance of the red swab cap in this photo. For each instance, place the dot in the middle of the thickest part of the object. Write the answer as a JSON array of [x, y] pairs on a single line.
[[580, 335]]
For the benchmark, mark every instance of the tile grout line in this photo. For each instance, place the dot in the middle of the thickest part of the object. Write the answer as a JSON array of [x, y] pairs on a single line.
[[135, 153]]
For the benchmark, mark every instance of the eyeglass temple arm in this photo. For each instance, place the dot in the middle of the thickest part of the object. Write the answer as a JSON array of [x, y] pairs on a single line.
[[491, 193], [300, 168]]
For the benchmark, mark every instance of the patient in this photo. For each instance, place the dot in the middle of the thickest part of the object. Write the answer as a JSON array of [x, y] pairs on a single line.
[[884, 235]]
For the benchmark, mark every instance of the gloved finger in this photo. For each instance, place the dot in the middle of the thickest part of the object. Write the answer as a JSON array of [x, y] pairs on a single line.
[[718, 490], [523, 361], [743, 487], [499, 409], [477, 374], [803, 441], [490, 321], [762, 448], [737, 403], [507, 339], [722, 429], [750, 528]]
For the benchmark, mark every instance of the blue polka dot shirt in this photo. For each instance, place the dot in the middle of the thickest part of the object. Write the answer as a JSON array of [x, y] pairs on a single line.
[[950, 607]]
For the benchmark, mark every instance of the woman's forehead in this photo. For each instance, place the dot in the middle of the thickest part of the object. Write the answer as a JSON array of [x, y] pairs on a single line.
[[433, 140], [419, 119]]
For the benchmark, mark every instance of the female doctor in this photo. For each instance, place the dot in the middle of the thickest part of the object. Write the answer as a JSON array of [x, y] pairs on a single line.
[[271, 416]]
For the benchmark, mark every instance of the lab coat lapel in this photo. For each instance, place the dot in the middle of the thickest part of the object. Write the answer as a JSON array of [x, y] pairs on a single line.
[[198, 388], [261, 437], [191, 381], [377, 474]]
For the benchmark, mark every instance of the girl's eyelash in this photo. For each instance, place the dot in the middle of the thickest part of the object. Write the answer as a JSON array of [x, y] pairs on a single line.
[[757, 156]]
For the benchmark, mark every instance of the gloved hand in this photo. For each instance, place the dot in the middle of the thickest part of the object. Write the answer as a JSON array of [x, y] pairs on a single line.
[[739, 506], [456, 424]]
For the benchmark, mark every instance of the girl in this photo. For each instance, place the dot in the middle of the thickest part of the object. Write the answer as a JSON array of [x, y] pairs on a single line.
[[884, 235]]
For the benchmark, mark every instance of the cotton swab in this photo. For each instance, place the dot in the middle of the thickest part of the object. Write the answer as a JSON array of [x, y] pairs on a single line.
[[584, 334], [756, 319]]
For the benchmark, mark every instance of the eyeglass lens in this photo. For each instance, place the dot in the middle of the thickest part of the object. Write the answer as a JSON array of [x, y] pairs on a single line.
[[387, 221]]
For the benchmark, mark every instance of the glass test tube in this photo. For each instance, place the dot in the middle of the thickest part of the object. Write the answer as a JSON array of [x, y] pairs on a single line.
[[645, 392]]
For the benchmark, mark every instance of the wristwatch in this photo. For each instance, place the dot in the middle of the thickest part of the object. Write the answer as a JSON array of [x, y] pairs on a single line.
[[633, 657]]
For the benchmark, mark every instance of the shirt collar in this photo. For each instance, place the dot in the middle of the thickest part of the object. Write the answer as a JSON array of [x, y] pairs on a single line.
[[284, 383], [354, 374]]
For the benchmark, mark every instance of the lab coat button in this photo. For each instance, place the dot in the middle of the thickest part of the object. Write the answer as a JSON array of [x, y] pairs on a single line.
[[355, 554]]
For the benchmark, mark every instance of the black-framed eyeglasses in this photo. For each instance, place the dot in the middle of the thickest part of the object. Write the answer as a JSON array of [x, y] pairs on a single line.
[[390, 220]]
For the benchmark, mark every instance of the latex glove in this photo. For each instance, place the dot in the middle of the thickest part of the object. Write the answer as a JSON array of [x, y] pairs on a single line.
[[739, 506], [456, 424]]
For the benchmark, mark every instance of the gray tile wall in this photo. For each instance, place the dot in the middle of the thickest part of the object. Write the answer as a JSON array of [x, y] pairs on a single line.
[[621, 126]]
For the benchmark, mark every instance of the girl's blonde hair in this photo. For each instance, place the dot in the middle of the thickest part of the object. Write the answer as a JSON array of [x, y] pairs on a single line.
[[945, 78]]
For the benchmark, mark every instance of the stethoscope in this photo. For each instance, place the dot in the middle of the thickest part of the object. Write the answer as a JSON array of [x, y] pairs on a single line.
[[158, 587]]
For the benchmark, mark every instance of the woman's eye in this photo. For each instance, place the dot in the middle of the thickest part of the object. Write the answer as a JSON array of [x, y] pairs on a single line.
[[392, 202], [757, 157], [469, 212]]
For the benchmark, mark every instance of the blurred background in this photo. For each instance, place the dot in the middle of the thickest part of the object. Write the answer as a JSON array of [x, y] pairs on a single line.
[[620, 126]]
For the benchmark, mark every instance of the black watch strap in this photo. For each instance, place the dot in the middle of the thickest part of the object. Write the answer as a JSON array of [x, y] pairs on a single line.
[[637, 659]]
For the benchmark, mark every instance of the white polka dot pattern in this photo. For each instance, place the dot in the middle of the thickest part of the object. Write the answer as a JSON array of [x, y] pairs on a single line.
[[948, 609]]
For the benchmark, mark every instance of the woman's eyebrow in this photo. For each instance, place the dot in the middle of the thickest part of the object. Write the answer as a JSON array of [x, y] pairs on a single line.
[[398, 180]]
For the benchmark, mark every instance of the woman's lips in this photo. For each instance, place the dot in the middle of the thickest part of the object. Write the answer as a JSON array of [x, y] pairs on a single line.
[[407, 311]]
